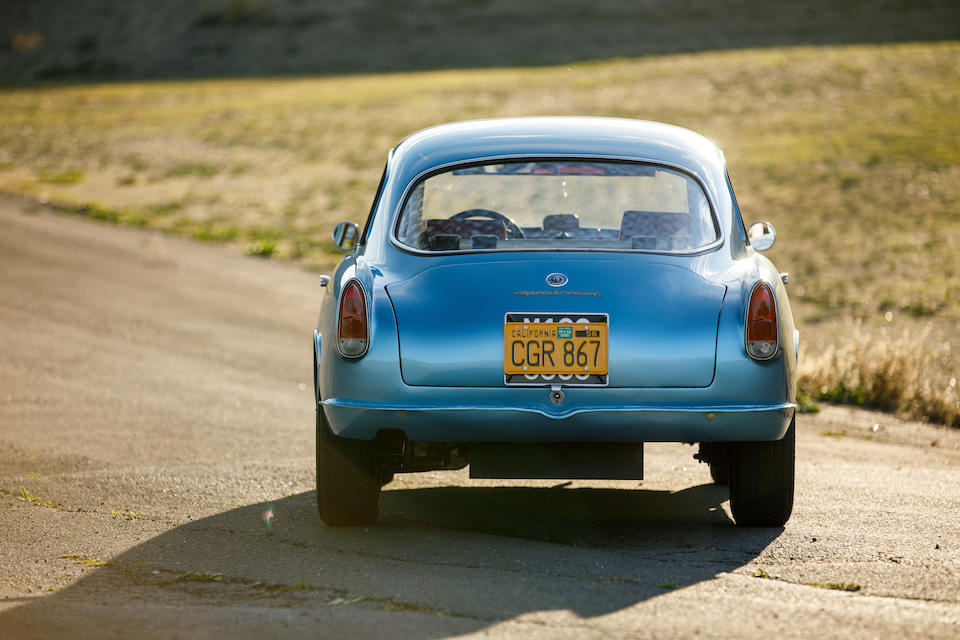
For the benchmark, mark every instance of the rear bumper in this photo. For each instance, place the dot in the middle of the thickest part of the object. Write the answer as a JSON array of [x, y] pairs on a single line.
[[362, 419]]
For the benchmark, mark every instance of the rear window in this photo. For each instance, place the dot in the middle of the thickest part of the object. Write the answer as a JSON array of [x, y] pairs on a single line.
[[557, 205]]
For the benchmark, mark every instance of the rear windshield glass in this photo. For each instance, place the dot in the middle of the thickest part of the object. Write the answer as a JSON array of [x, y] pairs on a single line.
[[557, 205]]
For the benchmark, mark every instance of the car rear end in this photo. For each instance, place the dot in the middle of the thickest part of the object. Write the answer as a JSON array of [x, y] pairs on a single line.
[[544, 316]]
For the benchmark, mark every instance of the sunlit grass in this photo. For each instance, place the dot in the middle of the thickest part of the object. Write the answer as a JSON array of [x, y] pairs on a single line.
[[851, 152]]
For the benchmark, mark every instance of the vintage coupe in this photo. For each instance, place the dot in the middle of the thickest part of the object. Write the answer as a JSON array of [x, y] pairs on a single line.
[[537, 298]]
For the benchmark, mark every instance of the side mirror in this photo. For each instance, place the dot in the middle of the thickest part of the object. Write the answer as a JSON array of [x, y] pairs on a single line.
[[762, 235], [345, 235]]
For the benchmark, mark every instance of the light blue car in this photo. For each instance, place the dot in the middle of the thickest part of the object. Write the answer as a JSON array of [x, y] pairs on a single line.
[[538, 297]]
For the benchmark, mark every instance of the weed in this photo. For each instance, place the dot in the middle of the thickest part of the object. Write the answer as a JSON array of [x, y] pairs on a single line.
[[839, 586], [37, 502], [296, 586], [199, 576], [760, 573], [618, 580], [215, 232], [127, 515], [390, 604], [92, 562], [922, 308], [805, 403], [262, 248], [849, 181], [81, 559], [348, 599], [668, 586], [165, 208], [64, 177], [833, 434], [192, 169]]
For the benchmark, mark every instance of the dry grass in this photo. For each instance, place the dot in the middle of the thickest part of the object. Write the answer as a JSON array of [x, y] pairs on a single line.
[[901, 373], [852, 152]]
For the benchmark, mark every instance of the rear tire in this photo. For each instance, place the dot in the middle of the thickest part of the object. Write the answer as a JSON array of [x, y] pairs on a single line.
[[762, 481], [348, 489], [720, 473]]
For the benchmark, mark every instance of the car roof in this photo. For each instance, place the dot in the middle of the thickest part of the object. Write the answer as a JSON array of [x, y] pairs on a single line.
[[620, 138]]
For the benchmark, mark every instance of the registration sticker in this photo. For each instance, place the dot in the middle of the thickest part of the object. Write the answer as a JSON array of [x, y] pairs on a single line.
[[539, 348]]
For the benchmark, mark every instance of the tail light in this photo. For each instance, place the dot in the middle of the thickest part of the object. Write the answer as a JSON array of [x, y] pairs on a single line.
[[762, 333], [352, 332]]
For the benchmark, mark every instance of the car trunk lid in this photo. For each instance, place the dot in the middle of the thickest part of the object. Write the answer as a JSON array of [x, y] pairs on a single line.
[[662, 319]]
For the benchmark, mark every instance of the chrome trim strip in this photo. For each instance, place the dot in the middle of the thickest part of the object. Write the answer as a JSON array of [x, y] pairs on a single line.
[[440, 168], [366, 405], [317, 344]]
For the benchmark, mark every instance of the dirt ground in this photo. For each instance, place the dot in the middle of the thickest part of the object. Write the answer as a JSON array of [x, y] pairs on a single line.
[[156, 480]]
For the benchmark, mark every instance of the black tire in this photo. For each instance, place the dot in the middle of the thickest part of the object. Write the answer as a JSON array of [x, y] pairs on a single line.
[[762, 480], [348, 489], [720, 473]]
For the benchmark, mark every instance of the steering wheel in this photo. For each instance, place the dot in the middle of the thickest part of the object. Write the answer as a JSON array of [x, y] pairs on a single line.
[[512, 227]]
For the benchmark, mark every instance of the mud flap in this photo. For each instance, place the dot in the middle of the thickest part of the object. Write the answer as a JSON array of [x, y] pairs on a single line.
[[563, 460]]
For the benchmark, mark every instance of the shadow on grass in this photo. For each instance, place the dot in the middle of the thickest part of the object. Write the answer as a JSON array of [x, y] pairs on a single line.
[[103, 39], [471, 556]]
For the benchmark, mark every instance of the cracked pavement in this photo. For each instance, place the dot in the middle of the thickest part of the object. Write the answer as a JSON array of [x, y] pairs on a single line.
[[155, 406]]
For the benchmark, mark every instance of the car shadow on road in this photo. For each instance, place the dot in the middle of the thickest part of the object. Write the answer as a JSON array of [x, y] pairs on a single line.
[[477, 555]]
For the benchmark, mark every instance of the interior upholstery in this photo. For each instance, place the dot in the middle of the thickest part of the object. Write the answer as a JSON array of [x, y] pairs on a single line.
[[467, 228], [659, 224]]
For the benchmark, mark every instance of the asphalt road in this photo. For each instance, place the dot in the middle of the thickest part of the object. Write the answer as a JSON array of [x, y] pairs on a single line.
[[155, 408]]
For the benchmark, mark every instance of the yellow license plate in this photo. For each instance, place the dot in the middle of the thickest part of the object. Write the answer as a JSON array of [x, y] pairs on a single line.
[[548, 348]]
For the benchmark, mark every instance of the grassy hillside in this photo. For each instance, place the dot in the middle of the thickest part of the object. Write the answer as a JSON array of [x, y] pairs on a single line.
[[107, 39], [852, 152]]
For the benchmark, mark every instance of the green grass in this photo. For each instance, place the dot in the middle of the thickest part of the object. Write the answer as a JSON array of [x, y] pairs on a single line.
[[37, 502], [63, 177], [199, 576], [851, 151], [83, 559], [805, 403]]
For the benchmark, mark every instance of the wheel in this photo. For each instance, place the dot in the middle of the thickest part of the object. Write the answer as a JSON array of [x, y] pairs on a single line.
[[348, 489], [720, 473], [761, 481]]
